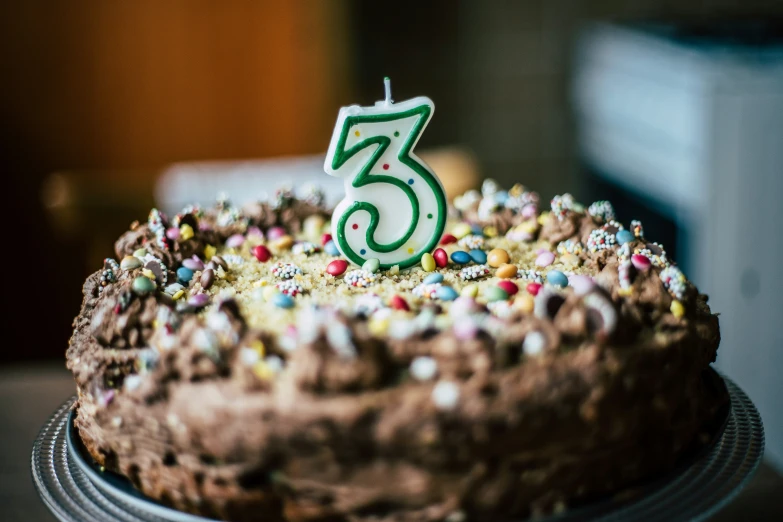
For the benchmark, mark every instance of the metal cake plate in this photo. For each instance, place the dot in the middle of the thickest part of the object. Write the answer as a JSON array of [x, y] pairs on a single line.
[[75, 489]]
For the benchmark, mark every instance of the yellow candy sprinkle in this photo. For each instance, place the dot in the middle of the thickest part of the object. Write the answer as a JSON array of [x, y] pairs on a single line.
[[155, 323], [461, 230], [525, 302], [178, 294], [259, 347], [263, 371], [185, 232], [283, 243], [146, 272], [269, 292], [209, 252], [428, 262], [528, 226], [543, 217], [378, 327], [490, 231], [625, 292], [569, 260], [677, 309], [469, 291]]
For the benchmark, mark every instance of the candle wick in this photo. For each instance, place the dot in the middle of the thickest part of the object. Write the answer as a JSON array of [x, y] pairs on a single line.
[[387, 90]]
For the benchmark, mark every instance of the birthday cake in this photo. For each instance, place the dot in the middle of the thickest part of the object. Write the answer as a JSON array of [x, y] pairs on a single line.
[[232, 363]]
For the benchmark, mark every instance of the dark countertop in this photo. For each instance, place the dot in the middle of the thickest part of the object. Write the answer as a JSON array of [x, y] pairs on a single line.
[[30, 393]]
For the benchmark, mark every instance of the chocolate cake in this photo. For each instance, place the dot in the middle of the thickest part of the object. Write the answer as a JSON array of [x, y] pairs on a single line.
[[231, 364]]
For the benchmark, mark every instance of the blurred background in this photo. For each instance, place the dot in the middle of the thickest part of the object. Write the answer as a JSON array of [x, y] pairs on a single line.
[[673, 110]]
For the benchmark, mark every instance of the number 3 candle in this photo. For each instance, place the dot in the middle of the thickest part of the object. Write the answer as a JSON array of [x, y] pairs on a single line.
[[394, 208]]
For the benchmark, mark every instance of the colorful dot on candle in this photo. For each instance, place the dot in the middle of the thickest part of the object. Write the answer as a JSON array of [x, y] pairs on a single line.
[[410, 250], [385, 166], [396, 134], [362, 251], [354, 226], [357, 133], [429, 216], [410, 181]]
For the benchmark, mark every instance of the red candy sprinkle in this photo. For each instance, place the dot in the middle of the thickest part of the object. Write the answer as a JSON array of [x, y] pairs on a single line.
[[337, 267], [441, 258], [261, 253], [325, 239], [509, 286], [447, 239], [640, 262], [398, 303], [533, 288]]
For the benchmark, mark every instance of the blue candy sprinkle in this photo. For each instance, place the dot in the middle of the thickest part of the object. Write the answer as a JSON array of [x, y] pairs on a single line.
[[557, 278], [624, 236], [184, 275], [460, 257], [283, 301], [446, 293], [331, 248], [433, 278], [478, 256]]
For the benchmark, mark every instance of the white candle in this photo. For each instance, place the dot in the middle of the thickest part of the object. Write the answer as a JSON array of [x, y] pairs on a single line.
[[394, 208]]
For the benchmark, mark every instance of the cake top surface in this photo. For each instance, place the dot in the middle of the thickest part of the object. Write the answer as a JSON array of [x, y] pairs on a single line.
[[537, 280]]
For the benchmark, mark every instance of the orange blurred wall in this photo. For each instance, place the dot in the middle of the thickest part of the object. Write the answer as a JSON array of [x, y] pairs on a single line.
[[97, 84]]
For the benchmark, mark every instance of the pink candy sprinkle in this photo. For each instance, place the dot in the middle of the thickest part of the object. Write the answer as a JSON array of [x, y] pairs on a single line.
[[581, 284], [545, 258], [255, 233], [640, 262], [465, 330], [275, 233], [172, 233], [235, 241]]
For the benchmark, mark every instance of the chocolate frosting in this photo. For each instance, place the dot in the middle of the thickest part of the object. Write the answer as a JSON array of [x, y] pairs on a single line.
[[525, 413]]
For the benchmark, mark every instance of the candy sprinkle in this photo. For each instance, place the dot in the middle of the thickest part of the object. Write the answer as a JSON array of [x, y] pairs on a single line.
[[305, 247], [360, 278], [602, 210], [426, 290], [290, 287], [470, 273], [471, 242], [286, 270]]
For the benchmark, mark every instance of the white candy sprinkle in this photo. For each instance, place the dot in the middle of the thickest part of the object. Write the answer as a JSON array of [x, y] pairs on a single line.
[[445, 395], [339, 337], [360, 278], [534, 343], [286, 270], [233, 259], [470, 273], [132, 382], [424, 368], [471, 242], [248, 356], [173, 288], [274, 363]]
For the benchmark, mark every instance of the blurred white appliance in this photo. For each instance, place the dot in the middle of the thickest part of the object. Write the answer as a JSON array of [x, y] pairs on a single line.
[[689, 120]]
